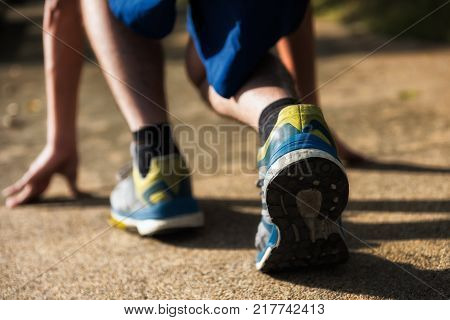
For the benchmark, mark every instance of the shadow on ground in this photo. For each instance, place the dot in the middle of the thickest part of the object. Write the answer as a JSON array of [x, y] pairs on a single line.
[[376, 165], [228, 227], [372, 275]]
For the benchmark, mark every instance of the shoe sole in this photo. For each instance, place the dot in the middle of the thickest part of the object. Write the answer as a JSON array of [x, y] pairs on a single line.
[[306, 192], [151, 227]]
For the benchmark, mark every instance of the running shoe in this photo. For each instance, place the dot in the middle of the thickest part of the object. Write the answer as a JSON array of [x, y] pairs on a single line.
[[304, 190], [157, 202]]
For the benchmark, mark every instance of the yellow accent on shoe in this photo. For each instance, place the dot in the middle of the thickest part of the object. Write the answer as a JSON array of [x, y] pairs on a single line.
[[116, 223], [298, 116], [158, 196], [170, 169]]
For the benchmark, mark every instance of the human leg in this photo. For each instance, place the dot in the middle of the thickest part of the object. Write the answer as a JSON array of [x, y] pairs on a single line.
[[132, 65], [304, 186], [269, 82], [157, 195]]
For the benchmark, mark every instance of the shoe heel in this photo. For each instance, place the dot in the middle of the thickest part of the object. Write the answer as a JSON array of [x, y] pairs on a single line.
[[305, 199]]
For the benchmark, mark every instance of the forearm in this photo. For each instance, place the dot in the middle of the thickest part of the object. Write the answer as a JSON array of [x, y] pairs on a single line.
[[297, 52], [63, 42]]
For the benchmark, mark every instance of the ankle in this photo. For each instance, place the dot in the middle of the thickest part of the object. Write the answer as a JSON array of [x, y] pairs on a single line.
[[153, 141], [269, 116]]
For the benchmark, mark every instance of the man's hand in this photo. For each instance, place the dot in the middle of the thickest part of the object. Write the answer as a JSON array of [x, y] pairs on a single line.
[[37, 178]]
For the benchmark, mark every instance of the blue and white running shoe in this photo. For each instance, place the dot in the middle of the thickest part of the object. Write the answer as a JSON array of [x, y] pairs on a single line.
[[304, 191], [159, 201]]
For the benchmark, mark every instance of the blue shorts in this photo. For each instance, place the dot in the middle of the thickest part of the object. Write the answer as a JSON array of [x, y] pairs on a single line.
[[231, 36]]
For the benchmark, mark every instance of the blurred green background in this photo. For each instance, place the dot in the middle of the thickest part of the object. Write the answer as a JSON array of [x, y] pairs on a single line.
[[392, 16]]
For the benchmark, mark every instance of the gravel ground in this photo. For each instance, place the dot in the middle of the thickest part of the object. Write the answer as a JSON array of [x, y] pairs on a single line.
[[394, 107]]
